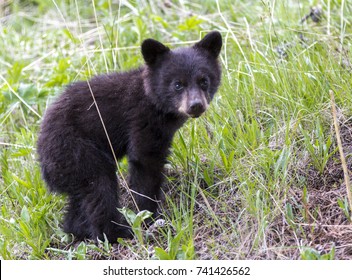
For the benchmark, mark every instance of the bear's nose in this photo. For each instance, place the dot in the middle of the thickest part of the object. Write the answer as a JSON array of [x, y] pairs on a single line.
[[195, 108]]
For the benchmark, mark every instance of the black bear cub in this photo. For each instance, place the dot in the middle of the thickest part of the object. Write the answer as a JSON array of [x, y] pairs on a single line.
[[134, 113]]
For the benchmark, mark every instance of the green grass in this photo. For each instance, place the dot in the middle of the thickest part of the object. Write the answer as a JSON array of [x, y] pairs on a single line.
[[257, 177]]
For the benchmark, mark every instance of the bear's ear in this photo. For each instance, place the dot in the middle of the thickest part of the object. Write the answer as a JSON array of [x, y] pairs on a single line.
[[151, 49], [212, 42]]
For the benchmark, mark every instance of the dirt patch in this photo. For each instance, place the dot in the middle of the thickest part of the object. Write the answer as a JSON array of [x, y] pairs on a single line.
[[320, 220]]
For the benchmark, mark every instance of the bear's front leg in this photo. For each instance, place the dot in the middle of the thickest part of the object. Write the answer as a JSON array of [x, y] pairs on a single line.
[[145, 180]]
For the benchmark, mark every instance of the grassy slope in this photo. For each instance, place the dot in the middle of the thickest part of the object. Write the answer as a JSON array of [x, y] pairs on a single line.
[[257, 177]]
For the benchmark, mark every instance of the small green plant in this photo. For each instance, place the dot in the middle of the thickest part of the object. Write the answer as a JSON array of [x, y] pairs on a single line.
[[175, 249], [344, 205], [190, 23], [312, 254], [136, 222], [61, 74], [318, 146]]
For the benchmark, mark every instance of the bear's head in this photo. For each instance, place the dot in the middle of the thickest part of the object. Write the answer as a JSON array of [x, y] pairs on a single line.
[[182, 81]]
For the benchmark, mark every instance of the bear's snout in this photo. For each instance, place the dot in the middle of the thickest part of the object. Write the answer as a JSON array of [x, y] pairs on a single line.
[[193, 103], [195, 108], [197, 104]]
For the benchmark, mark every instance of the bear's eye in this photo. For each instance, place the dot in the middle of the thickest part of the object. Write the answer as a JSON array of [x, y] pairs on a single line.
[[204, 83], [178, 86]]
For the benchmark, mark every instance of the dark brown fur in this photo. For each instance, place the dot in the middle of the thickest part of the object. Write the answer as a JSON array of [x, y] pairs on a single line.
[[141, 109]]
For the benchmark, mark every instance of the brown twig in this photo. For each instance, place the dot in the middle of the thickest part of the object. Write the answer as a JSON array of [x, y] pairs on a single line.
[[342, 155]]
